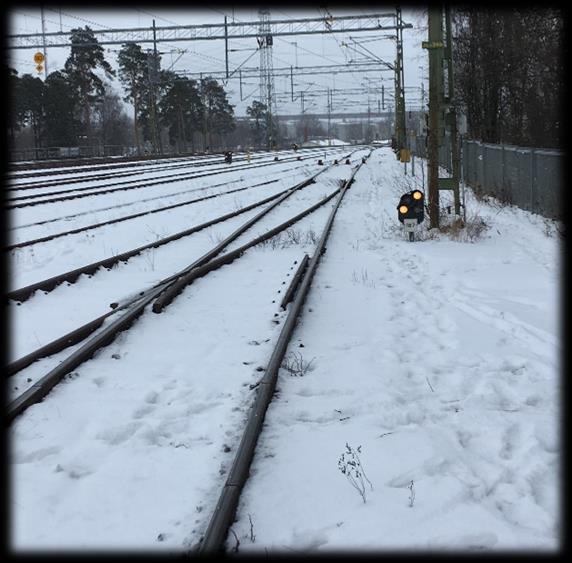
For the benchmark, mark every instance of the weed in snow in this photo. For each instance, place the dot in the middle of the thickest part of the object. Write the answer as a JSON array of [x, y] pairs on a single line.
[[289, 238], [296, 365], [350, 465], [411, 488], [363, 278], [215, 238]]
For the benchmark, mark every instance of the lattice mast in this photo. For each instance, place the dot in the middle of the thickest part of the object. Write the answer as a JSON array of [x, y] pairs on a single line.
[[400, 132], [267, 93]]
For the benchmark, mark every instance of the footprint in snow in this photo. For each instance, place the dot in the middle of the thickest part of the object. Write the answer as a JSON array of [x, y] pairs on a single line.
[[118, 434], [143, 411]]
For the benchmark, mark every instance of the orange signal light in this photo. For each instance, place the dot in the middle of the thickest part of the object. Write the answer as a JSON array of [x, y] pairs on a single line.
[[403, 209], [417, 195]]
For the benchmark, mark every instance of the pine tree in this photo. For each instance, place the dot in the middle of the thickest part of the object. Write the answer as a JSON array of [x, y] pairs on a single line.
[[134, 76], [30, 95], [60, 101], [258, 112], [85, 57], [218, 113], [180, 109]]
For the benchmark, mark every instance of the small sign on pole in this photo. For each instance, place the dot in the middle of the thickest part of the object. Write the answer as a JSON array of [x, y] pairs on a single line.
[[40, 68], [39, 58]]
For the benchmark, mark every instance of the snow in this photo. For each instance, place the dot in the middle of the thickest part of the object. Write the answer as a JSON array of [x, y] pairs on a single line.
[[439, 358], [324, 143]]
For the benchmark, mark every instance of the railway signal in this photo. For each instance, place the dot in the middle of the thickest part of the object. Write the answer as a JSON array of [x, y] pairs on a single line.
[[410, 211]]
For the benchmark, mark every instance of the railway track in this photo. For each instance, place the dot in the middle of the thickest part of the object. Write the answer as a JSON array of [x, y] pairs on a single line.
[[46, 238], [46, 285], [128, 310], [63, 167], [260, 393], [133, 171], [223, 515], [130, 185], [82, 176], [177, 193], [114, 165]]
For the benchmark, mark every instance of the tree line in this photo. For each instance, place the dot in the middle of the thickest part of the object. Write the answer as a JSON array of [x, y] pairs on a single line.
[[77, 105], [509, 66]]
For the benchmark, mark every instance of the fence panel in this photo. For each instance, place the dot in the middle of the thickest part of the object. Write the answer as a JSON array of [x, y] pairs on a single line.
[[527, 177], [548, 175]]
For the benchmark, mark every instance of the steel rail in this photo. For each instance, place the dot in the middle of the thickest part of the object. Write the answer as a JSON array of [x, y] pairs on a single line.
[[47, 285], [71, 165], [179, 177], [14, 187], [129, 204], [43, 386], [80, 333], [170, 292], [24, 293], [172, 166], [291, 291], [31, 242], [170, 178], [225, 510]]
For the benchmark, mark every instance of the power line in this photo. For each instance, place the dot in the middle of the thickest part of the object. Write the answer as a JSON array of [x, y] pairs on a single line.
[[79, 18]]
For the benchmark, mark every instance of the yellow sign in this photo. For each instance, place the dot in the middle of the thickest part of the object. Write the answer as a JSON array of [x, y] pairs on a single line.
[[404, 155], [40, 68], [39, 58], [432, 44]]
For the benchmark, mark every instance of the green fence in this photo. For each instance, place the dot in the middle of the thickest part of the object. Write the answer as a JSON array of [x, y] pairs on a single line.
[[527, 177]]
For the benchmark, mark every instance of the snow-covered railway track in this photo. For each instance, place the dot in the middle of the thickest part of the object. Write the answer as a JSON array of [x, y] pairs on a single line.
[[73, 167], [28, 200], [131, 185], [48, 284], [133, 307], [223, 515], [78, 334], [57, 168], [85, 176], [31, 219], [46, 238]]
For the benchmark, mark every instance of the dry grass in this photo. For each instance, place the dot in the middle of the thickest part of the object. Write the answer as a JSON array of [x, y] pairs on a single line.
[[470, 230]]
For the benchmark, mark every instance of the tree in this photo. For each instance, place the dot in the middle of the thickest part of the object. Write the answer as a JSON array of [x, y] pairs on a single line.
[[134, 76], [265, 130], [509, 71], [180, 109], [15, 109], [60, 101], [218, 113], [114, 124], [258, 112], [85, 57], [30, 93]]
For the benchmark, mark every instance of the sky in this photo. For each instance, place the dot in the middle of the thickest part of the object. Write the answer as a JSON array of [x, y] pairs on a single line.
[[209, 56], [437, 359]]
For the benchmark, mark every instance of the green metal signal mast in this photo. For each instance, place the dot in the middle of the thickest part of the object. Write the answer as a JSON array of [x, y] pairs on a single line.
[[442, 110]]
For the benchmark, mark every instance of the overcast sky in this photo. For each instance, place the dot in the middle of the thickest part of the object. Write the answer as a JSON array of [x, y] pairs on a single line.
[[209, 56]]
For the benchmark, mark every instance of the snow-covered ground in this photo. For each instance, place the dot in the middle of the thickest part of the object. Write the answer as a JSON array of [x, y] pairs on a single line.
[[438, 359]]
